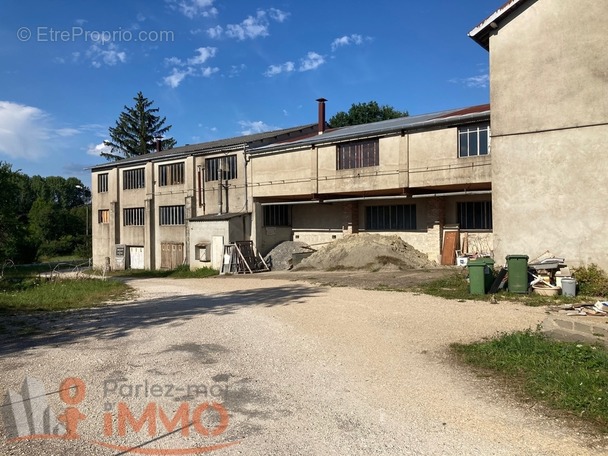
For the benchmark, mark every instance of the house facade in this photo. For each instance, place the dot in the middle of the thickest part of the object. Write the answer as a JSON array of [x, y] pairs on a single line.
[[548, 91], [416, 177], [168, 208]]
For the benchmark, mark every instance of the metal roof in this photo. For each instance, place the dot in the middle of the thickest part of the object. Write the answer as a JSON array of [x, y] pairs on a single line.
[[383, 128], [481, 33], [236, 142]]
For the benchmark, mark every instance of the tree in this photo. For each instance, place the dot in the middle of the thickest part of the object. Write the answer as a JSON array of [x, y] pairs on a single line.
[[362, 113], [137, 130]]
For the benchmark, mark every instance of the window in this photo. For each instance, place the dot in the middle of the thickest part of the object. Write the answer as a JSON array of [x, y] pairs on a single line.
[[212, 168], [474, 140], [171, 174], [171, 215], [102, 183], [279, 215], [133, 178], [475, 215], [358, 154], [133, 216], [397, 217], [103, 215]]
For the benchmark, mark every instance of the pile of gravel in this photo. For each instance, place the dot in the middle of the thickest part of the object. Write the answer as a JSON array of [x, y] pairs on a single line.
[[281, 254], [367, 251]]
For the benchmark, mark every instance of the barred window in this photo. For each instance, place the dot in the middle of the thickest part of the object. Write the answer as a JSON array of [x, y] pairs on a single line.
[[277, 215], [171, 215], [395, 217], [133, 178], [475, 215], [133, 216], [212, 168], [102, 183], [172, 174], [359, 154], [103, 216], [474, 140]]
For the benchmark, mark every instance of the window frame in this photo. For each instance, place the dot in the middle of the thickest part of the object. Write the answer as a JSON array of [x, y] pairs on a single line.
[[133, 216], [133, 179], [387, 217], [103, 216], [358, 154], [102, 182], [480, 218], [471, 135], [278, 215], [171, 174], [212, 168], [173, 215]]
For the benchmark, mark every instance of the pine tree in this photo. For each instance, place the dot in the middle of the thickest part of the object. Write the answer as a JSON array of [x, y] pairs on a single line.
[[137, 130]]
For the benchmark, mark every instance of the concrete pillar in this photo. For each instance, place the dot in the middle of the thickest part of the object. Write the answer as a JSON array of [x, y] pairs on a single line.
[[350, 218]]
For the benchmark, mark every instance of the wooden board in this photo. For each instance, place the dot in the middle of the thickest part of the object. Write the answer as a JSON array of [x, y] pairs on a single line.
[[450, 244]]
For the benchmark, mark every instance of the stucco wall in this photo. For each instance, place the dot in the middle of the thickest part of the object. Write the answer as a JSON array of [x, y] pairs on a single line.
[[283, 174], [433, 160], [549, 81]]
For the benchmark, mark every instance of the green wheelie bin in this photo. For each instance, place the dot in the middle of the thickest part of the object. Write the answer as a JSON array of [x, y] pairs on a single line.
[[481, 275], [517, 268]]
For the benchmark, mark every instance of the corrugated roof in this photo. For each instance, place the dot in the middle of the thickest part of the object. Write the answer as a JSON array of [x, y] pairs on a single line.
[[214, 146], [392, 126], [481, 33]]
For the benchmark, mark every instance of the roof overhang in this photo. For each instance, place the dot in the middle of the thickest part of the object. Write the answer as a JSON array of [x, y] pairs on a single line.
[[481, 34]]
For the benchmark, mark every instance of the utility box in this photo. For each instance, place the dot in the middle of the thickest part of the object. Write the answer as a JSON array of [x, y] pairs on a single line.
[[481, 275], [517, 267]]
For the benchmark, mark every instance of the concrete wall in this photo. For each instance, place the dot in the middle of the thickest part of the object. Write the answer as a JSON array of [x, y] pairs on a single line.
[[434, 161], [549, 82], [292, 173]]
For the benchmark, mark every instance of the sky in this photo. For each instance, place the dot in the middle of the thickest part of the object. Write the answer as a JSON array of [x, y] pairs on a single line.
[[218, 68]]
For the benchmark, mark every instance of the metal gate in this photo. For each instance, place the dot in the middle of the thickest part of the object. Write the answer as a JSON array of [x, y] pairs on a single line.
[[172, 255], [136, 257]]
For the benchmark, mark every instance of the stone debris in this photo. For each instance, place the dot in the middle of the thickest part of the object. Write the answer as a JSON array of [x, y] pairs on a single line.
[[281, 255], [373, 252]]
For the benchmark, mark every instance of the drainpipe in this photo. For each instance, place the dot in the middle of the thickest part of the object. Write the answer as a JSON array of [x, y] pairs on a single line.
[[220, 186]]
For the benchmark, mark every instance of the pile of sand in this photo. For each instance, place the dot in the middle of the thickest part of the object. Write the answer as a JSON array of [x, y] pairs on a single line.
[[281, 255], [367, 251]]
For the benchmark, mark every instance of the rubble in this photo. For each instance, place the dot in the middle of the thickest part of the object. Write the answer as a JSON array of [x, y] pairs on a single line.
[[281, 255], [367, 251]]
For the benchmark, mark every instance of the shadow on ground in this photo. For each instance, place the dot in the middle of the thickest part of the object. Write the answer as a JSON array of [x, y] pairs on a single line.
[[118, 320]]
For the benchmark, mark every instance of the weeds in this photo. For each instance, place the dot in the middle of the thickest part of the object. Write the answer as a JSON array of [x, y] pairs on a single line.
[[591, 281], [182, 272], [565, 376]]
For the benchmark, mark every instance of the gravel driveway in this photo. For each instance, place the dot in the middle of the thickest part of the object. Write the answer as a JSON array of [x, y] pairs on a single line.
[[296, 369]]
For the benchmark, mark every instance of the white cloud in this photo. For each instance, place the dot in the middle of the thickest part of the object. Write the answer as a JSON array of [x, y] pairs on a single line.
[[204, 54], [312, 61], [349, 40], [24, 131], [66, 132], [277, 14], [215, 32], [274, 70], [109, 55], [191, 67], [480, 81], [97, 150], [251, 27], [253, 127], [176, 77], [194, 8]]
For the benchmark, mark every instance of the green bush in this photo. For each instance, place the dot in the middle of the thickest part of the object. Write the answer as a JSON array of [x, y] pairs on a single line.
[[591, 280]]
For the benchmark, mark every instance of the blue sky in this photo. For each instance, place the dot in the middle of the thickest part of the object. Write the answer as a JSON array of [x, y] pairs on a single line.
[[219, 68]]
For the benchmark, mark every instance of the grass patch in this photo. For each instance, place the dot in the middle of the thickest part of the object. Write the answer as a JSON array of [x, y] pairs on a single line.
[[42, 295], [565, 376], [457, 287], [183, 272]]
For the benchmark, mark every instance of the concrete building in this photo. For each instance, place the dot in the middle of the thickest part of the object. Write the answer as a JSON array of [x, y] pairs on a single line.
[[171, 207], [548, 91], [417, 177]]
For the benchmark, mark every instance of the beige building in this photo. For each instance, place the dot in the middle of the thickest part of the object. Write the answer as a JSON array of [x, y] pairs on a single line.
[[171, 207], [416, 177], [549, 97]]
